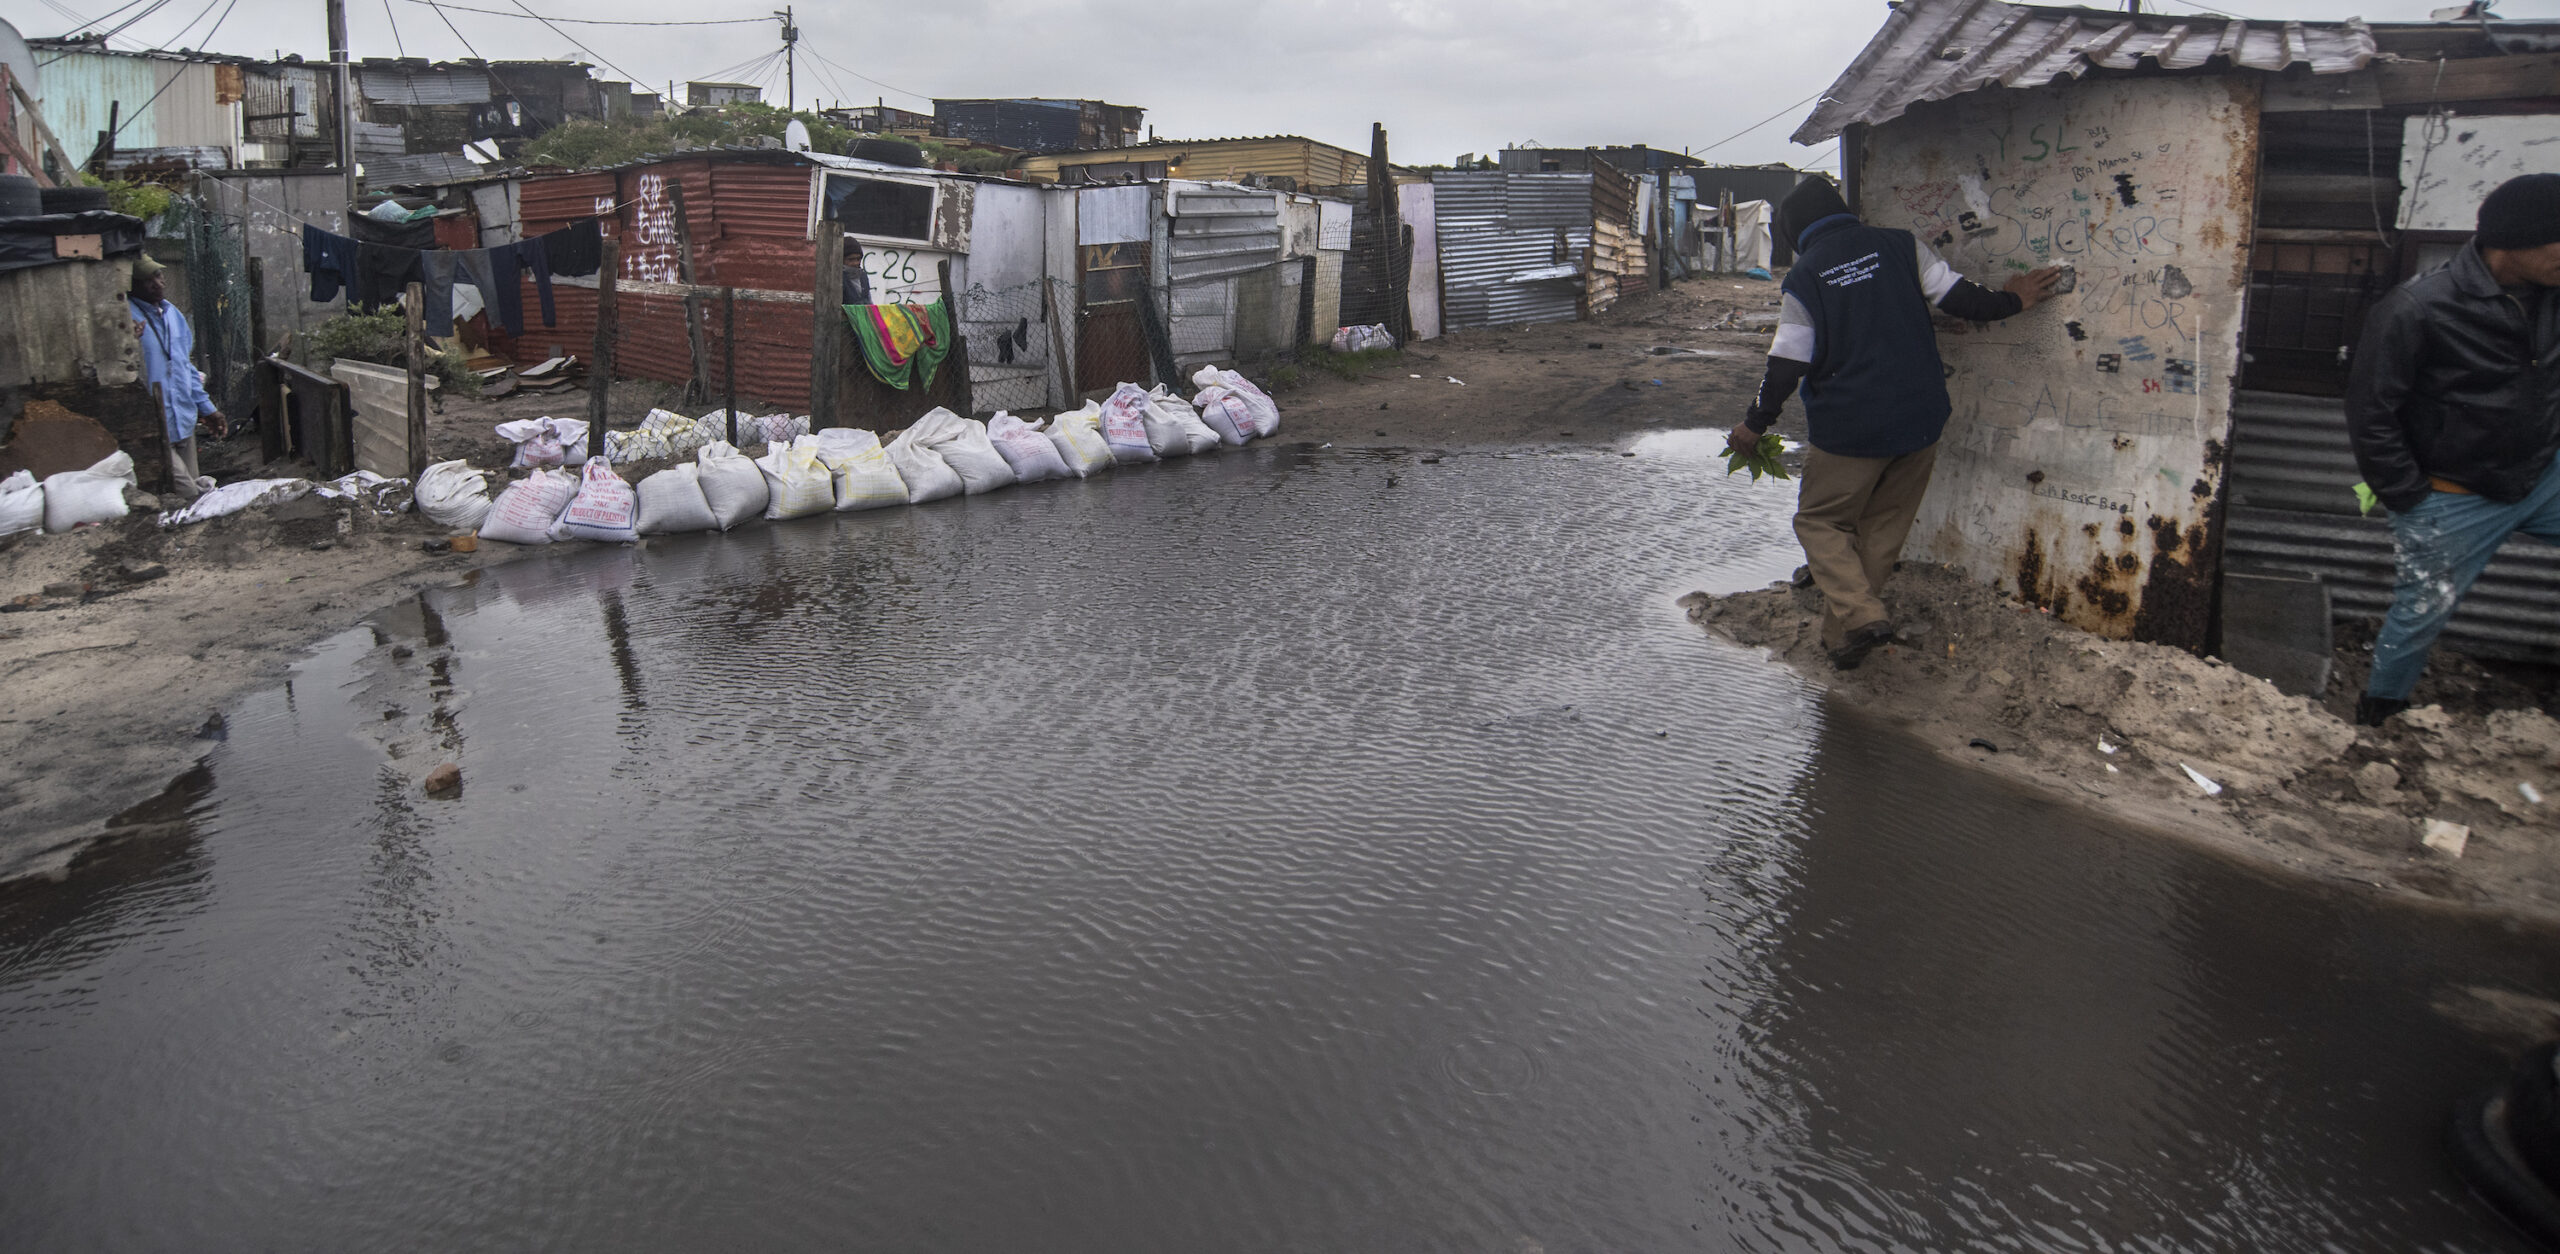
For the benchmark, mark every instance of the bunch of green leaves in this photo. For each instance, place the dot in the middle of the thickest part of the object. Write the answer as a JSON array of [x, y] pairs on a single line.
[[380, 336], [2366, 499], [1760, 459]]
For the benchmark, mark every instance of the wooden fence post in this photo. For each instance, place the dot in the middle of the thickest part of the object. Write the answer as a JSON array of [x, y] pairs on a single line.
[[959, 358], [608, 330], [699, 389], [827, 329], [729, 356], [417, 301], [1058, 343]]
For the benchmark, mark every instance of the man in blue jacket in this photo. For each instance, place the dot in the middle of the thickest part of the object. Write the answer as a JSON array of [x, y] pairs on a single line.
[[1854, 334], [2453, 405], [168, 359]]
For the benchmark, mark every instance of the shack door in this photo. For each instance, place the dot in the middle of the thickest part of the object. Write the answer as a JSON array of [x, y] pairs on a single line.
[[1111, 342]]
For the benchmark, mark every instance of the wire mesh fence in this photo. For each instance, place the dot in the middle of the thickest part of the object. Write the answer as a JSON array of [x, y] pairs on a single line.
[[219, 299], [1014, 339]]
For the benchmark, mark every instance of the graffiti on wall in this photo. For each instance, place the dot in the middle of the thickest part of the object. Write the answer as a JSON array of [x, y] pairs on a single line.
[[2108, 404]]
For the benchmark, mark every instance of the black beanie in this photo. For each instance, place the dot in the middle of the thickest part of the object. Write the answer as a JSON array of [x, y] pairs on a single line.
[[2523, 213], [1813, 200]]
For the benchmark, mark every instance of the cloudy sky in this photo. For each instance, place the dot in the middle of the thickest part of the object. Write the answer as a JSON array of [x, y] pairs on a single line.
[[1446, 76]]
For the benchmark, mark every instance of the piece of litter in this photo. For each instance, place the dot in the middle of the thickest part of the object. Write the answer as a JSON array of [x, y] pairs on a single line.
[[2211, 789], [2104, 747], [1326, 444], [1455, 379], [1413, 376], [1985, 745], [2111, 769], [2445, 838], [2530, 793]]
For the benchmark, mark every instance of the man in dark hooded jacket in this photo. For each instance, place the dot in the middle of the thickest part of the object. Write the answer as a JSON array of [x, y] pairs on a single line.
[[1854, 333], [2454, 408]]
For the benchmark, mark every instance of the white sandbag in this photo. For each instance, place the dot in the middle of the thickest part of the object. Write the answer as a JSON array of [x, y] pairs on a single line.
[[95, 495], [671, 503], [605, 510], [21, 503], [523, 514], [927, 476], [731, 484], [453, 496], [1266, 412], [545, 441], [1077, 435], [1024, 448], [964, 446], [1124, 425], [865, 478], [231, 498], [1173, 427], [1227, 414], [797, 484]]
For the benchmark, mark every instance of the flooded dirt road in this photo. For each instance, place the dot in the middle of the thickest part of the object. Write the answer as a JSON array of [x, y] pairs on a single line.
[[1287, 850]]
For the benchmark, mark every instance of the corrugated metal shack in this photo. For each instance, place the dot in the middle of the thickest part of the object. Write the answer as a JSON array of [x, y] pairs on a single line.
[[1037, 125], [2220, 188], [169, 108], [694, 225], [1288, 162], [1514, 248]]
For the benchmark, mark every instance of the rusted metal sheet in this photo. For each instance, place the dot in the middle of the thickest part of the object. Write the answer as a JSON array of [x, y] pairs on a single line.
[[2083, 466], [772, 347], [1495, 226], [1941, 49], [548, 203]]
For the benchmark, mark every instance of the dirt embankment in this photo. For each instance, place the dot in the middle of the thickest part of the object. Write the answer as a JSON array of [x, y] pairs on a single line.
[[2117, 727]]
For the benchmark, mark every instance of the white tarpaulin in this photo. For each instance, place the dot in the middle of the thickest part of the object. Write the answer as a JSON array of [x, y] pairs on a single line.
[[1751, 235]]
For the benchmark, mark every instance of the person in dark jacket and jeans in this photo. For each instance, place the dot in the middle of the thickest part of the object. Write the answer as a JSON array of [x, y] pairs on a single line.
[[2454, 406], [1854, 334]]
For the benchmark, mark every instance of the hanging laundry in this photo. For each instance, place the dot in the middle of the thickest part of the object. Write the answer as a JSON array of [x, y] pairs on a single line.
[[420, 235], [575, 250], [531, 255], [382, 270], [444, 268], [330, 259], [903, 344]]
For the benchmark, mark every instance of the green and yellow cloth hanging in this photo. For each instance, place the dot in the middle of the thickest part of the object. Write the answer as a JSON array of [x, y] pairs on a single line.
[[903, 344]]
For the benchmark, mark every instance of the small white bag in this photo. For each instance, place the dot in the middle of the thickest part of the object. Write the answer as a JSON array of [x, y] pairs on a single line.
[[1124, 425], [865, 479], [95, 495], [797, 483], [671, 503], [731, 484], [546, 441], [964, 446], [1025, 449], [605, 510], [927, 476], [1077, 435], [524, 513], [453, 496], [1174, 428], [21, 503]]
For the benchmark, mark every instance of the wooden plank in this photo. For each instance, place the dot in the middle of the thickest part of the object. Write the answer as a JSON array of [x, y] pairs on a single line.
[[827, 329], [608, 330], [2474, 78], [35, 116], [414, 432], [959, 358]]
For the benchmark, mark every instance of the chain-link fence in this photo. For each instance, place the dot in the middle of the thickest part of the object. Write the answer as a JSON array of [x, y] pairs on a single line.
[[1015, 340], [1258, 315], [220, 301]]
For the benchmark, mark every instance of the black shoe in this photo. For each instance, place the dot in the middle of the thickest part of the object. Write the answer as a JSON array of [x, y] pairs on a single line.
[[2370, 711], [1861, 642]]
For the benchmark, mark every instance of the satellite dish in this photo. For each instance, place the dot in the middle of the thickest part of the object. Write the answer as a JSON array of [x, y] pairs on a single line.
[[795, 136], [21, 62]]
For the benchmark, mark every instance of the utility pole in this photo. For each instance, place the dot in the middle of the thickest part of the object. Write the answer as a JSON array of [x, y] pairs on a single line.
[[790, 62], [345, 80]]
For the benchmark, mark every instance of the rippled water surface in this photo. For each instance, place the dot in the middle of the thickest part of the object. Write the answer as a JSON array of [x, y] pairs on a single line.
[[1290, 850]]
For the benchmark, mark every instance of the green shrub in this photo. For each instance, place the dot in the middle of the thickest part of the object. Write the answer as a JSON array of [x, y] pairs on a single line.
[[381, 337]]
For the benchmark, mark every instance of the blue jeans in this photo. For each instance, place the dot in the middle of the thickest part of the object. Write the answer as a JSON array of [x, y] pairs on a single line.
[[2443, 543]]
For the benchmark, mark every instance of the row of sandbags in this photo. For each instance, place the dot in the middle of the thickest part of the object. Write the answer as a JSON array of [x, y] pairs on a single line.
[[942, 455], [66, 500]]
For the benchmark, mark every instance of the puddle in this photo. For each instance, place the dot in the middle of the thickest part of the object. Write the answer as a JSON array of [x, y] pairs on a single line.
[[1285, 850]]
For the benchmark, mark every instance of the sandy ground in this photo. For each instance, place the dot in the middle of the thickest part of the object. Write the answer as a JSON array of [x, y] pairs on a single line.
[[2116, 727]]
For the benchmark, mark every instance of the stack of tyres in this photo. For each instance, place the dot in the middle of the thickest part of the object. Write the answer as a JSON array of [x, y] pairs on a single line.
[[2507, 1143]]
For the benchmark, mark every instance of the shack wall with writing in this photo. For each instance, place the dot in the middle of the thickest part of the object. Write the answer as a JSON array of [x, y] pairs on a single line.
[[2082, 466]]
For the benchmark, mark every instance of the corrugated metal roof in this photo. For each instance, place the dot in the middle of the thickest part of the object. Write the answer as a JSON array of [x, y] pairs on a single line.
[[2293, 508], [455, 84], [1935, 49], [417, 169]]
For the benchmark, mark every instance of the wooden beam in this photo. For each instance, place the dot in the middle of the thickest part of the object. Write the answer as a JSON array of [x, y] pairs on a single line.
[[43, 132], [827, 329], [417, 294], [600, 365], [2472, 78], [729, 355]]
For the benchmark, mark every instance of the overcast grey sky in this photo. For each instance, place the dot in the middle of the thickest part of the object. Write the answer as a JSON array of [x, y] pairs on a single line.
[[1446, 76]]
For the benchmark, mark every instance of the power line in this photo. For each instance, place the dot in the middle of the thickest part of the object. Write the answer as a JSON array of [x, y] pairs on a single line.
[[127, 119], [867, 78], [581, 47], [179, 39], [396, 41], [154, 7], [1757, 125], [589, 21]]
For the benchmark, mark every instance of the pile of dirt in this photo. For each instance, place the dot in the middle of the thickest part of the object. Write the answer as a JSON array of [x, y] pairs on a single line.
[[2128, 728]]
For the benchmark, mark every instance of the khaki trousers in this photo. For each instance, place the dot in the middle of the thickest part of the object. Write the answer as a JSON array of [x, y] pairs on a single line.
[[1852, 516], [182, 469]]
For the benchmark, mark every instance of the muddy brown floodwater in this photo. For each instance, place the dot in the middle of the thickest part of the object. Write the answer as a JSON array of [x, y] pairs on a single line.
[[1286, 850]]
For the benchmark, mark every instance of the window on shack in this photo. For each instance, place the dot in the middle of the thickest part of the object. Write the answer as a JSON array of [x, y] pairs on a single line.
[[880, 208]]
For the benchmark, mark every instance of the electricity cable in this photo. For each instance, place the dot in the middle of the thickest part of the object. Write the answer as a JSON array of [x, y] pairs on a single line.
[[1757, 125], [581, 47], [823, 58], [590, 21], [127, 119], [396, 41]]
